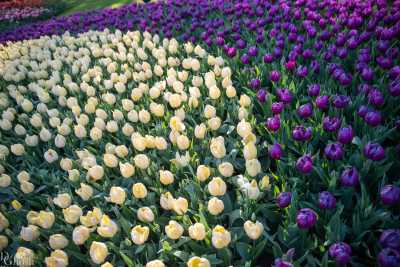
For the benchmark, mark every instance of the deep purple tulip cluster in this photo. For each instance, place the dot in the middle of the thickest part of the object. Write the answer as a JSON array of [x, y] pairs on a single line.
[[341, 252]]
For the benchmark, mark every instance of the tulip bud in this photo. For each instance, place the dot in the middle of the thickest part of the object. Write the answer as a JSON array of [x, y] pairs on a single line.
[[197, 231], [174, 230], [253, 230]]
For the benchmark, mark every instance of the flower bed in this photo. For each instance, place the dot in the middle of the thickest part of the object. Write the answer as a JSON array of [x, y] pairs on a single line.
[[314, 184], [14, 15]]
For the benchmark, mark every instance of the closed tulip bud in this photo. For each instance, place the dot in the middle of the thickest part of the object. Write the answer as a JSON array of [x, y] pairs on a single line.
[[284, 199], [374, 151], [117, 195], [197, 231], [110, 160], [27, 187], [85, 191], [17, 149], [217, 147], [145, 214], [72, 214], [96, 172], [217, 187], [108, 228], [183, 142], [214, 123], [5, 180], [215, 206], [389, 257], [62, 200], [141, 161], [252, 190], [226, 169], [275, 151], [253, 167], [58, 241], [166, 201], [58, 258], [253, 230], [200, 131], [180, 205], [3, 242], [98, 252], [244, 100], [139, 190], [140, 234], [220, 237], [341, 252], [174, 230], [24, 257], [127, 170], [155, 263], [80, 234], [306, 218], [30, 233], [198, 262], [166, 177], [390, 195]]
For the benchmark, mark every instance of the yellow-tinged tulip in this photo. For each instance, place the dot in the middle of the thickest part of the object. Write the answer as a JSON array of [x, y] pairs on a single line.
[[253, 230], [80, 234], [5, 180], [96, 172], [62, 200], [166, 177], [180, 205], [58, 258], [58, 241], [225, 169], [92, 218], [174, 230], [145, 214], [155, 263], [24, 257], [127, 170], [85, 192], [117, 195], [202, 173], [197, 231], [106, 264], [215, 206], [140, 234], [44, 219], [107, 228], [166, 201], [16, 204], [217, 147], [3, 242], [141, 161], [265, 183], [220, 237], [72, 214], [139, 190], [29, 233], [98, 252], [198, 262], [253, 167], [217, 187]]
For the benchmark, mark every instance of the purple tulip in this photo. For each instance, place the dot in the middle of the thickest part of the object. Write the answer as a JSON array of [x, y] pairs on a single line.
[[350, 177], [305, 111], [341, 101], [284, 95], [376, 98], [373, 118], [275, 151], [326, 200], [274, 76], [268, 58], [341, 252], [273, 123], [304, 164], [362, 111], [262, 95], [331, 124], [277, 107], [313, 90], [390, 195], [394, 88], [345, 135], [374, 151], [253, 51], [306, 218], [389, 258], [301, 133], [282, 263], [245, 59], [255, 83], [290, 65], [322, 102], [284, 199], [367, 74], [390, 239], [231, 52], [334, 151]]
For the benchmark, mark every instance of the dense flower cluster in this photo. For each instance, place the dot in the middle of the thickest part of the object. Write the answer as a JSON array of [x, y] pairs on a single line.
[[124, 142], [323, 84], [15, 14], [7, 4]]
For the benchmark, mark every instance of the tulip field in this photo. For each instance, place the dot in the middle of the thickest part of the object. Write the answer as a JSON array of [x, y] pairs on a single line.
[[201, 133]]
